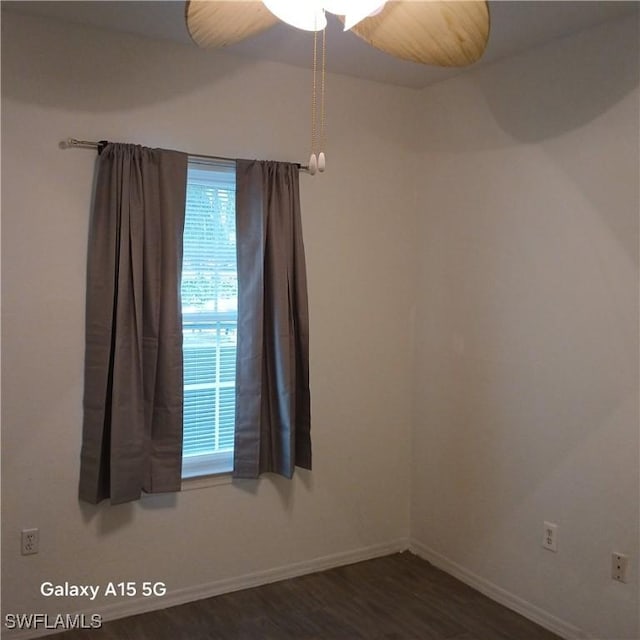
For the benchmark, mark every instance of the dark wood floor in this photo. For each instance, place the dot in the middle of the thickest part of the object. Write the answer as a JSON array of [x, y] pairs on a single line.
[[398, 597]]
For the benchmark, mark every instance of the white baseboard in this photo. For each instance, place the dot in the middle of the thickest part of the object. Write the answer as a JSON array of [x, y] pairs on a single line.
[[503, 597], [218, 587]]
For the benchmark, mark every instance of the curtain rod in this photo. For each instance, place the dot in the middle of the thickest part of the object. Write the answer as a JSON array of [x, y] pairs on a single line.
[[99, 146]]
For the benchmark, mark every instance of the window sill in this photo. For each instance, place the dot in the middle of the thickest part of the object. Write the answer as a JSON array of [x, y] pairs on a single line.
[[207, 464], [202, 482]]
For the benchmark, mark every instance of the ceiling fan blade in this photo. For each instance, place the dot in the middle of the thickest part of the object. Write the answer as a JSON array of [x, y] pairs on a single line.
[[448, 33], [218, 23]]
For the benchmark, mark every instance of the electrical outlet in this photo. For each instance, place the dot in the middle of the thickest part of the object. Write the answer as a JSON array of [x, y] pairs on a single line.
[[30, 541], [619, 566], [550, 536]]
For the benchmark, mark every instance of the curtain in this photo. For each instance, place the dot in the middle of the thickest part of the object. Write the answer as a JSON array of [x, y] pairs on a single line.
[[132, 429], [272, 432]]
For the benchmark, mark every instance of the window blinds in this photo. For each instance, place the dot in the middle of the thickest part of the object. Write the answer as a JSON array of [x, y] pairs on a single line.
[[209, 315]]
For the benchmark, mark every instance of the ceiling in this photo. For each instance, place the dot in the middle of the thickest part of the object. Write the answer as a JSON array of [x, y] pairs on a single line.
[[515, 27]]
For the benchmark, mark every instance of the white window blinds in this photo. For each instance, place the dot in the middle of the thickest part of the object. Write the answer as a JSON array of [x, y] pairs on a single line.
[[209, 318]]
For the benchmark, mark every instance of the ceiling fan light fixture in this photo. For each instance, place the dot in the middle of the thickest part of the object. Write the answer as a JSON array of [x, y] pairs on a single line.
[[343, 7], [360, 10], [308, 16]]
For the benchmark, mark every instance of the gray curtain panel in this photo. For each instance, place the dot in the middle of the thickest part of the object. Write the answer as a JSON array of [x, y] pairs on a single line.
[[272, 431], [132, 430]]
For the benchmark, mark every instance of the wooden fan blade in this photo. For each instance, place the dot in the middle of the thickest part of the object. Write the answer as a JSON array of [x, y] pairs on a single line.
[[218, 23], [448, 33]]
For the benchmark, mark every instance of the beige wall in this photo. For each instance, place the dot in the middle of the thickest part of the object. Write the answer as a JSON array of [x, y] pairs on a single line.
[[527, 328], [472, 257], [63, 81]]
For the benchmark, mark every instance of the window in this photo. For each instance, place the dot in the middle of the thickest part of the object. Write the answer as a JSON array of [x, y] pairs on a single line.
[[209, 318]]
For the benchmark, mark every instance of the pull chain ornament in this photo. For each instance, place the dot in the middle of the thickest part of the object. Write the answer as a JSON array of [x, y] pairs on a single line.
[[322, 163], [313, 160], [317, 162]]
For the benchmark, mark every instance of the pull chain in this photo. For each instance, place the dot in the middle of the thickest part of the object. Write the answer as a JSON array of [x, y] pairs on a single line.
[[323, 139], [313, 160], [318, 140]]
